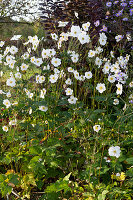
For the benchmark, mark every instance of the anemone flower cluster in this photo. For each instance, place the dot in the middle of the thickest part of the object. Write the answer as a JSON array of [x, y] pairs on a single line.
[[55, 72]]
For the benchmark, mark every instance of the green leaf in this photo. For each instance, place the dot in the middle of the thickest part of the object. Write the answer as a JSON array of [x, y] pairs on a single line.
[[130, 160], [5, 189], [99, 111], [53, 164], [103, 195], [104, 171], [66, 178], [100, 197], [35, 150], [105, 192], [130, 172], [59, 185], [39, 184], [13, 178]]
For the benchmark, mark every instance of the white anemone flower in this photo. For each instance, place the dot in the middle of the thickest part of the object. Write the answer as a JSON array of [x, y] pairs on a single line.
[[99, 50], [88, 24], [69, 91], [72, 100], [106, 68], [101, 87], [97, 128], [43, 92], [18, 75], [54, 36], [70, 69], [88, 75], [103, 36], [75, 31], [45, 53], [82, 78], [9, 59], [11, 82], [91, 53], [13, 50], [38, 61], [56, 71], [59, 43], [13, 122], [8, 94], [41, 79], [5, 128], [83, 38], [43, 108], [30, 95], [75, 57], [27, 91], [52, 52], [56, 62], [116, 101], [102, 39], [68, 81], [2, 43], [119, 88], [114, 151], [85, 26], [115, 68], [7, 103], [111, 79], [53, 78], [98, 61], [76, 74], [11, 64], [32, 59], [7, 50], [42, 95], [64, 36], [24, 67]]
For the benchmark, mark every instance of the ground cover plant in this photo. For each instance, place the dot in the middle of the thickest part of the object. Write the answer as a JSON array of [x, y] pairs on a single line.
[[66, 116]]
